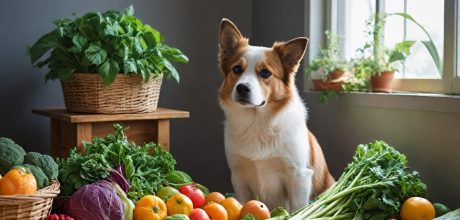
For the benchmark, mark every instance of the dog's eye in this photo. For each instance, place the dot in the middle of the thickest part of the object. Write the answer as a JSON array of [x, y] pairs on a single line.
[[237, 69], [265, 73]]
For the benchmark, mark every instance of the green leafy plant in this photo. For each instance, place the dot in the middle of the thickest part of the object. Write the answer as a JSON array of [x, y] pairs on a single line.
[[145, 167], [378, 58], [328, 59], [106, 43]]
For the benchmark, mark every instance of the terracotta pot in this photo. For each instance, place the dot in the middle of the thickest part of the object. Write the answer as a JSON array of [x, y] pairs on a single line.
[[321, 85], [333, 81], [335, 74], [382, 82]]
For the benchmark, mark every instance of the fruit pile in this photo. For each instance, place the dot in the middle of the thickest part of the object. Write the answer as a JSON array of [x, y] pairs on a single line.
[[189, 202]]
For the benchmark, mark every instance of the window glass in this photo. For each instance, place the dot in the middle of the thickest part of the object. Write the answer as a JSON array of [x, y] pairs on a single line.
[[351, 27], [428, 13]]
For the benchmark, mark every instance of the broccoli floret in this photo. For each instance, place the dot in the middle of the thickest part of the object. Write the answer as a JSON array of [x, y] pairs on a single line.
[[45, 162], [10, 154], [40, 176]]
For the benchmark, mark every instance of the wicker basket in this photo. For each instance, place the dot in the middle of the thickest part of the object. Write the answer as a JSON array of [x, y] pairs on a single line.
[[35, 206], [85, 92]]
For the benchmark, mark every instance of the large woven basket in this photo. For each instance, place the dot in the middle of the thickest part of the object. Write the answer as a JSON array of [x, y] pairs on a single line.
[[85, 92], [35, 206]]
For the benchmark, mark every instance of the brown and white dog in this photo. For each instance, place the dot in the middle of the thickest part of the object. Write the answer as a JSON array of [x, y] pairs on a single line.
[[270, 151]]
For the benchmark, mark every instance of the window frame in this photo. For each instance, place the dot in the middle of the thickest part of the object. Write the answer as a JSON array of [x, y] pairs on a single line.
[[450, 81]]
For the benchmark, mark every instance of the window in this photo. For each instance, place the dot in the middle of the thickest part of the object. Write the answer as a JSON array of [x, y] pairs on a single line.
[[418, 73]]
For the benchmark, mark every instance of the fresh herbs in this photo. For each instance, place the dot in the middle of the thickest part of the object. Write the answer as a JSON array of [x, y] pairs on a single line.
[[145, 167], [106, 43], [372, 187], [329, 59]]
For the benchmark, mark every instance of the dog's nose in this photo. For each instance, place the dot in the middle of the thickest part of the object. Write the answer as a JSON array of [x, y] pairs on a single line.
[[243, 89]]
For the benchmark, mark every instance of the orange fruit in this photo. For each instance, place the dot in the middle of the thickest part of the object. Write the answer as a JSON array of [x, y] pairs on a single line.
[[18, 180], [150, 208], [179, 204], [233, 208], [216, 211], [214, 197], [417, 208], [256, 208]]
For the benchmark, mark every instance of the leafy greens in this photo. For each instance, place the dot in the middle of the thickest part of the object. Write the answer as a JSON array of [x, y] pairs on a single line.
[[145, 167], [106, 43], [373, 186]]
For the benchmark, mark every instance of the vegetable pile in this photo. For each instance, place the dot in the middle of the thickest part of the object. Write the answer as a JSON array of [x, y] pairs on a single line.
[[373, 186], [144, 167], [24, 173]]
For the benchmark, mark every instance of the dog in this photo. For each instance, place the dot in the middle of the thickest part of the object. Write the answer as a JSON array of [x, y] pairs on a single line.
[[272, 155]]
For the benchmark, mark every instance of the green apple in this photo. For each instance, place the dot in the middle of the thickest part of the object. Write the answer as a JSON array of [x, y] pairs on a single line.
[[166, 192]]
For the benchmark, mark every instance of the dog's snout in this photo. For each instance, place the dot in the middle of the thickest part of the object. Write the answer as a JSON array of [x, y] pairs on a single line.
[[243, 89]]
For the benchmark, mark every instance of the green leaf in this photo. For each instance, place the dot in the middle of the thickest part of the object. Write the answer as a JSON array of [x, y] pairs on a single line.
[[79, 42], [428, 44], [65, 73], [137, 46], [401, 51], [43, 45], [129, 11], [129, 66], [173, 54], [170, 70], [129, 167], [149, 39], [95, 54], [178, 177], [156, 35], [108, 71]]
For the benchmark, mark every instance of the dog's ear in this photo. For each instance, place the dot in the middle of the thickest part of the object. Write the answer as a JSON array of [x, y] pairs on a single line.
[[229, 36], [291, 53]]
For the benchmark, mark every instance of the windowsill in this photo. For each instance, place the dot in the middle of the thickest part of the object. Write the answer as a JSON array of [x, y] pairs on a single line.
[[396, 100]]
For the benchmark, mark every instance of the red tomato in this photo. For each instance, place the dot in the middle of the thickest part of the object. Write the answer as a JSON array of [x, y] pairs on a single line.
[[194, 193], [198, 214]]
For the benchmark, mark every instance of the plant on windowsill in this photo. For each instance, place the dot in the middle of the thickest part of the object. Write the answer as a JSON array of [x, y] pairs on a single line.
[[107, 62], [329, 70], [381, 61]]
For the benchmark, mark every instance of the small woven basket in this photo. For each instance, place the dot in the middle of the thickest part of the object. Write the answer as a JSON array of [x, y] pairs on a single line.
[[34, 206], [85, 92]]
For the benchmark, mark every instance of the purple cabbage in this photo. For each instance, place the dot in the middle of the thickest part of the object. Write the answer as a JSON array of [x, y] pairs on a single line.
[[117, 176], [96, 201]]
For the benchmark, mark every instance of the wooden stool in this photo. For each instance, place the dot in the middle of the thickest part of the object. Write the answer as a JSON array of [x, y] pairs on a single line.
[[68, 130]]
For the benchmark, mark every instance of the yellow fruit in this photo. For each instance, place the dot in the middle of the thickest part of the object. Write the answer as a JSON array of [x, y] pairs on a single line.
[[18, 181], [179, 204], [233, 208], [417, 208], [150, 208]]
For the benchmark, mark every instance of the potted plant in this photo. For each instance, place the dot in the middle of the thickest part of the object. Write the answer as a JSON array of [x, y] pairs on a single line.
[[329, 70], [381, 61], [107, 62]]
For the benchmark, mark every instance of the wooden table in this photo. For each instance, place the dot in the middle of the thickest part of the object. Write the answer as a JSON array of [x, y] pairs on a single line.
[[70, 129]]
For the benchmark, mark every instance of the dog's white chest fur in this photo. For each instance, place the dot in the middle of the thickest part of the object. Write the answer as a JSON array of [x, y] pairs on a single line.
[[268, 155]]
